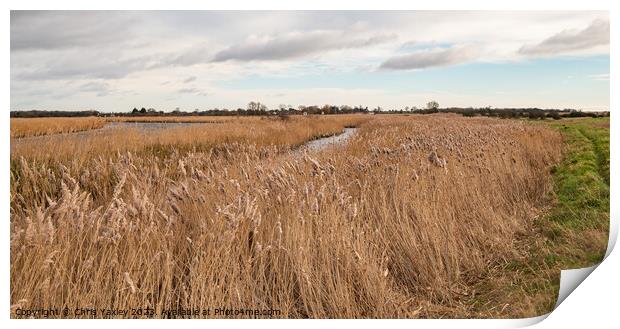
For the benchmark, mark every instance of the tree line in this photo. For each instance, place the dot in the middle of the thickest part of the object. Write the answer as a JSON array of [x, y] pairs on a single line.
[[258, 108]]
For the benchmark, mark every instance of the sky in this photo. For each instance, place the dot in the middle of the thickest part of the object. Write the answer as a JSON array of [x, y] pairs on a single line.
[[113, 61]]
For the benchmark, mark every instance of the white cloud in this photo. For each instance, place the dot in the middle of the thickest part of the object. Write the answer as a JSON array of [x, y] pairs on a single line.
[[98, 87], [431, 58], [192, 90], [596, 34], [297, 44], [189, 79], [599, 77], [49, 30]]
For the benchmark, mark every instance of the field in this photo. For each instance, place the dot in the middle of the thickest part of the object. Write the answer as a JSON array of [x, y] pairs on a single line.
[[282, 134], [44, 126], [186, 119], [414, 216]]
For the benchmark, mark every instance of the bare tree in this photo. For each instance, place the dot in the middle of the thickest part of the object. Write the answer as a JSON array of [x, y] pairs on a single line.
[[432, 105]]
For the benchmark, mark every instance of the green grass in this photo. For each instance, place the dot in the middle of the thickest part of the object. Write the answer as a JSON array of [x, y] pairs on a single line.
[[572, 234], [582, 179]]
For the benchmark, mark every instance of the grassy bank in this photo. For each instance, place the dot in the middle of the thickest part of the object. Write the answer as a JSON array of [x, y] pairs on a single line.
[[573, 233]]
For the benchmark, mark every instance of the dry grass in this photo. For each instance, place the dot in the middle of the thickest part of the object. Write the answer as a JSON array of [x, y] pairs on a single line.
[[399, 223], [260, 131], [28, 127], [184, 119]]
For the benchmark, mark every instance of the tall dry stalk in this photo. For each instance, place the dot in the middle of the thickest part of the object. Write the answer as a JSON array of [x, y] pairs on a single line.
[[398, 223], [28, 127]]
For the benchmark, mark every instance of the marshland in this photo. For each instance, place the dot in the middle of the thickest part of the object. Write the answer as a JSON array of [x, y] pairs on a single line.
[[409, 216]]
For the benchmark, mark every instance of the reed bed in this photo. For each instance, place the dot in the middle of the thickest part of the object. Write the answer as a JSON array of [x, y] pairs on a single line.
[[184, 119], [260, 131], [28, 127], [398, 223]]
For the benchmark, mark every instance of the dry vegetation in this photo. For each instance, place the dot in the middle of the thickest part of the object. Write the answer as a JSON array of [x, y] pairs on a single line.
[[182, 119], [259, 131], [22, 127], [400, 222]]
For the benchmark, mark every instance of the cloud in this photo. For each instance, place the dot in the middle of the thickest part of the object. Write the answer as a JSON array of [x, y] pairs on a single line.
[[599, 77], [189, 79], [49, 30], [88, 65], [194, 55], [98, 87], [596, 34], [234, 52], [431, 58], [297, 44], [94, 86], [194, 91]]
